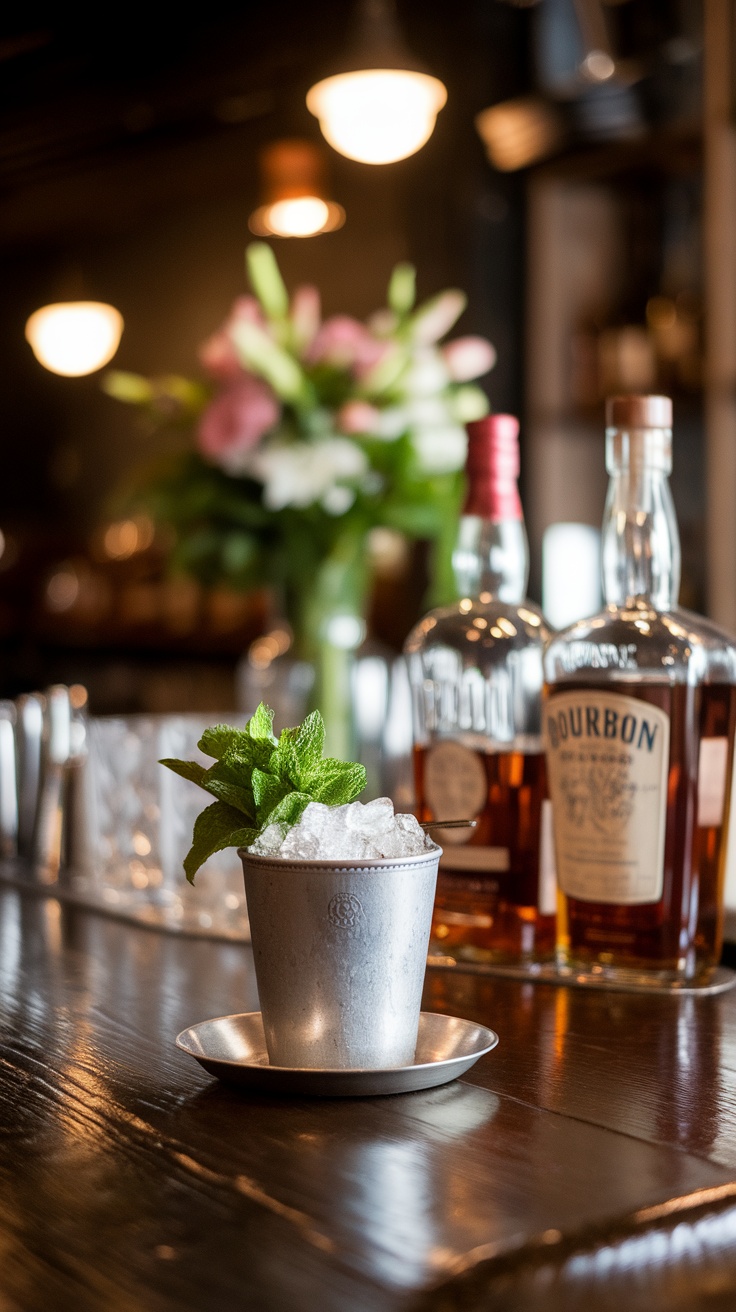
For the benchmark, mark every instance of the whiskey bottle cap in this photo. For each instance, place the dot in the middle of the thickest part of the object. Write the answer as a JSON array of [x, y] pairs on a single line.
[[638, 412], [493, 468]]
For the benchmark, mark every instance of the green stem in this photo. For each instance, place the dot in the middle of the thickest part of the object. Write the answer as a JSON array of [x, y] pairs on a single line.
[[328, 619]]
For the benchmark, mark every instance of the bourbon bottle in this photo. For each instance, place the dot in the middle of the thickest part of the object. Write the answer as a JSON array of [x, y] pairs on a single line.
[[640, 708], [476, 674]]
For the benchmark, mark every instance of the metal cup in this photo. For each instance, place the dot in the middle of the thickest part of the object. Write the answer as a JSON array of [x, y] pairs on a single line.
[[340, 953]]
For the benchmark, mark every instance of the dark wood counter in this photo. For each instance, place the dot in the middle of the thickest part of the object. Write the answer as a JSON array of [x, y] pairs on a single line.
[[587, 1162]]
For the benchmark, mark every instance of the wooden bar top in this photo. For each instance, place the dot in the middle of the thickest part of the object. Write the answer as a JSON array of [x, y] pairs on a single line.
[[589, 1160]]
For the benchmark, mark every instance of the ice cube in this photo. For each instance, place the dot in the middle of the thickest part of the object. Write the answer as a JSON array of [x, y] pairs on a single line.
[[405, 838], [354, 832], [269, 842], [313, 818], [352, 815], [300, 846], [371, 818]]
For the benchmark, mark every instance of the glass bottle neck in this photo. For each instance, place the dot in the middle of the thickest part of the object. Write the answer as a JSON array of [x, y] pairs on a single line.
[[491, 557], [641, 544]]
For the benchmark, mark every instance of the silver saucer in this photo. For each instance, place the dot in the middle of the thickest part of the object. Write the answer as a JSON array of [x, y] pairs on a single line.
[[234, 1049]]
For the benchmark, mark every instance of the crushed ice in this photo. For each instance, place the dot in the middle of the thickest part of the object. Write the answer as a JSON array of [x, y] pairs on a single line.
[[359, 831]]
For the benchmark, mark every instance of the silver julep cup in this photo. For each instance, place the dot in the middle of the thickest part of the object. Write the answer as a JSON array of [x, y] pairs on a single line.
[[340, 953]]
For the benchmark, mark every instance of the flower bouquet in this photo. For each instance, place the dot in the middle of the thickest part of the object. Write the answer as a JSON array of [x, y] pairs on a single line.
[[309, 434]]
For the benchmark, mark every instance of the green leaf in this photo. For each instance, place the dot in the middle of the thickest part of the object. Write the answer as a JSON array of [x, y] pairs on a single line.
[[217, 827], [266, 281], [402, 288], [260, 724], [222, 738], [259, 352], [238, 762], [131, 388], [191, 770], [309, 745], [336, 782], [285, 762], [289, 810], [226, 790], [268, 791]]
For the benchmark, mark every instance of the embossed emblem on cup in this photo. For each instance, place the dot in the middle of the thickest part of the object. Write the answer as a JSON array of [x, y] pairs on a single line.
[[344, 910]]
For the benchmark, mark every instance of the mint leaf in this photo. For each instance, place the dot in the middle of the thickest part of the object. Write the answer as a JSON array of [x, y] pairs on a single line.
[[253, 753], [221, 738], [267, 793], [260, 725], [217, 827], [259, 781], [225, 789], [336, 783], [289, 809], [237, 795], [309, 744], [191, 770], [285, 762]]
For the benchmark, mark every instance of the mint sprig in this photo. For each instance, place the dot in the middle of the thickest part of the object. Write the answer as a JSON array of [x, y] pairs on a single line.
[[259, 780]]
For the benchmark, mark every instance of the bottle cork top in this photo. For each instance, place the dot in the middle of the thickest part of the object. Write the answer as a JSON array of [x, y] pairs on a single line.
[[638, 412]]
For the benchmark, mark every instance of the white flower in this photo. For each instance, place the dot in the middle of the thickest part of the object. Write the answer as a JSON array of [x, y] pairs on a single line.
[[338, 499], [427, 374], [300, 473], [429, 412], [391, 423], [441, 450]]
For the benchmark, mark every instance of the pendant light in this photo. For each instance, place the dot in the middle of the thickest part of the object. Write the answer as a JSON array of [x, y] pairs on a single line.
[[73, 338], [295, 193], [382, 105]]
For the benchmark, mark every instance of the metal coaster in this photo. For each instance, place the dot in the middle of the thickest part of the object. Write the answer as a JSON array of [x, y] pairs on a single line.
[[234, 1049], [720, 980]]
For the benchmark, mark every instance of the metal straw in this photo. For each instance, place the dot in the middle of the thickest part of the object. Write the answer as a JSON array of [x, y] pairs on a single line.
[[447, 824]]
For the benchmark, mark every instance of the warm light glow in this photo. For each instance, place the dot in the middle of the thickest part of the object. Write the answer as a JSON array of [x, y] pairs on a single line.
[[74, 338], [517, 133], [598, 66], [297, 216], [377, 115]]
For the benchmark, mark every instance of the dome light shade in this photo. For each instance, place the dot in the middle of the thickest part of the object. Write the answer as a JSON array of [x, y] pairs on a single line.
[[295, 193], [377, 115], [73, 338], [298, 216]]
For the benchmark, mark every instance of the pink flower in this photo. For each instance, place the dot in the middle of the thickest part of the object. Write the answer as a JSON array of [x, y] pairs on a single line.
[[345, 343], [217, 353], [358, 417], [236, 420], [305, 316], [468, 357]]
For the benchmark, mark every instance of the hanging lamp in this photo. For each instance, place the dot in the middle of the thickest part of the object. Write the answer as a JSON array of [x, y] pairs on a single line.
[[295, 193], [382, 105], [73, 338]]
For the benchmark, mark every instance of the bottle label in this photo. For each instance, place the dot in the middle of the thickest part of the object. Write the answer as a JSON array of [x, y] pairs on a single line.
[[547, 895], [455, 786], [483, 860], [712, 770], [608, 761]]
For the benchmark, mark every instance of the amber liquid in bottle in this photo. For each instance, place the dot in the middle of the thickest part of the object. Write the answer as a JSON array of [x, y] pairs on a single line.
[[682, 932], [503, 912]]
